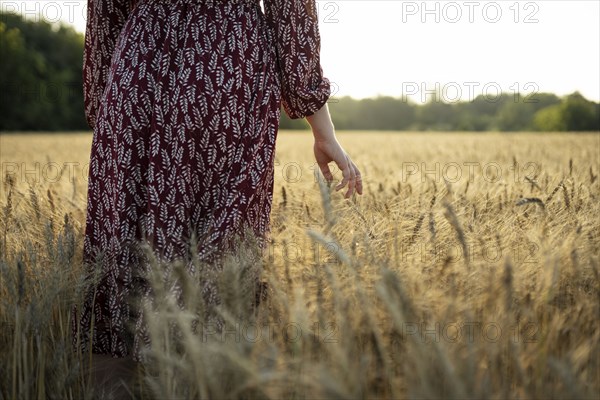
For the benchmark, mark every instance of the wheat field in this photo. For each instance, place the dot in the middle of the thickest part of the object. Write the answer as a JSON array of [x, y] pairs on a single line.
[[467, 270]]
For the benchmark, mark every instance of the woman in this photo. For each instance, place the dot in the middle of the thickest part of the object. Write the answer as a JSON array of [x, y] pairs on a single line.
[[184, 99]]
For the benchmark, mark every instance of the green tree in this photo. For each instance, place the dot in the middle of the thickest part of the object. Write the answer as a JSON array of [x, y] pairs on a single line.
[[517, 114], [549, 119], [478, 115], [574, 113], [437, 116], [40, 75], [579, 114]]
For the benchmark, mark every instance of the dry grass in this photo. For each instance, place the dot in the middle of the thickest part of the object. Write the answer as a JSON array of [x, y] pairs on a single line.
[[428, 286]]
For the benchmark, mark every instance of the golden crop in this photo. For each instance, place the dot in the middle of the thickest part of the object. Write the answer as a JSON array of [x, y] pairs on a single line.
[[468, 269]]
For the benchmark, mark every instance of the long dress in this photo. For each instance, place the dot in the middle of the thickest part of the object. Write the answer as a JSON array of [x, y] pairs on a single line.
[[184, 99]]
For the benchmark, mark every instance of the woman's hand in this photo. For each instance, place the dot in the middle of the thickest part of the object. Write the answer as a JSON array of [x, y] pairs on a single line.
[[327, 151]]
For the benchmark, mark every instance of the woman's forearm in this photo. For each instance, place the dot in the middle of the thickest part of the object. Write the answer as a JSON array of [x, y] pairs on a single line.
[[321, 124]]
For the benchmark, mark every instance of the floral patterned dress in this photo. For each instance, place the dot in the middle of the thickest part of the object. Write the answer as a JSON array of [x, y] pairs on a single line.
[[184, 98]]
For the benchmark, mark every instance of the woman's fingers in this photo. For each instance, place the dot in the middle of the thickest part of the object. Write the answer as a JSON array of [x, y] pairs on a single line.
[[326, 171], [352, 181], [343, 165], [351, 176], [345, 179], [359, 187], [348, 177]]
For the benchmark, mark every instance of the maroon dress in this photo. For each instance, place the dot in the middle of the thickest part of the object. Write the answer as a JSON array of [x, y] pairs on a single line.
[[184, 98]]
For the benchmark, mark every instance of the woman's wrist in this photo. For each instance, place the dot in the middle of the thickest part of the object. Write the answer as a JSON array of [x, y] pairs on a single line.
[[322, 126], [324, 134]]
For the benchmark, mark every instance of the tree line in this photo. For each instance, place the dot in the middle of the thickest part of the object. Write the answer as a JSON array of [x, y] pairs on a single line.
[[40, 75], [505, 112], [41, 89]]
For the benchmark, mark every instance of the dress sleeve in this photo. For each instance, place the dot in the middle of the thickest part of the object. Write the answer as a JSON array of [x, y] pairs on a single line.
[[105, 19], [294, 24]]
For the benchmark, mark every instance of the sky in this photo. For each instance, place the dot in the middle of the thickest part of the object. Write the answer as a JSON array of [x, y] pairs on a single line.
[[459, 48]]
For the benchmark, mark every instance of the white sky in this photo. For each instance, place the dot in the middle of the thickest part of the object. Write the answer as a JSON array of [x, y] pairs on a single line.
[[373, 47]]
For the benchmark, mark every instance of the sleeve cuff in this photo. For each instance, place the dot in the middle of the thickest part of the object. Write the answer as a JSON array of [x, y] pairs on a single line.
[[309, 102]]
